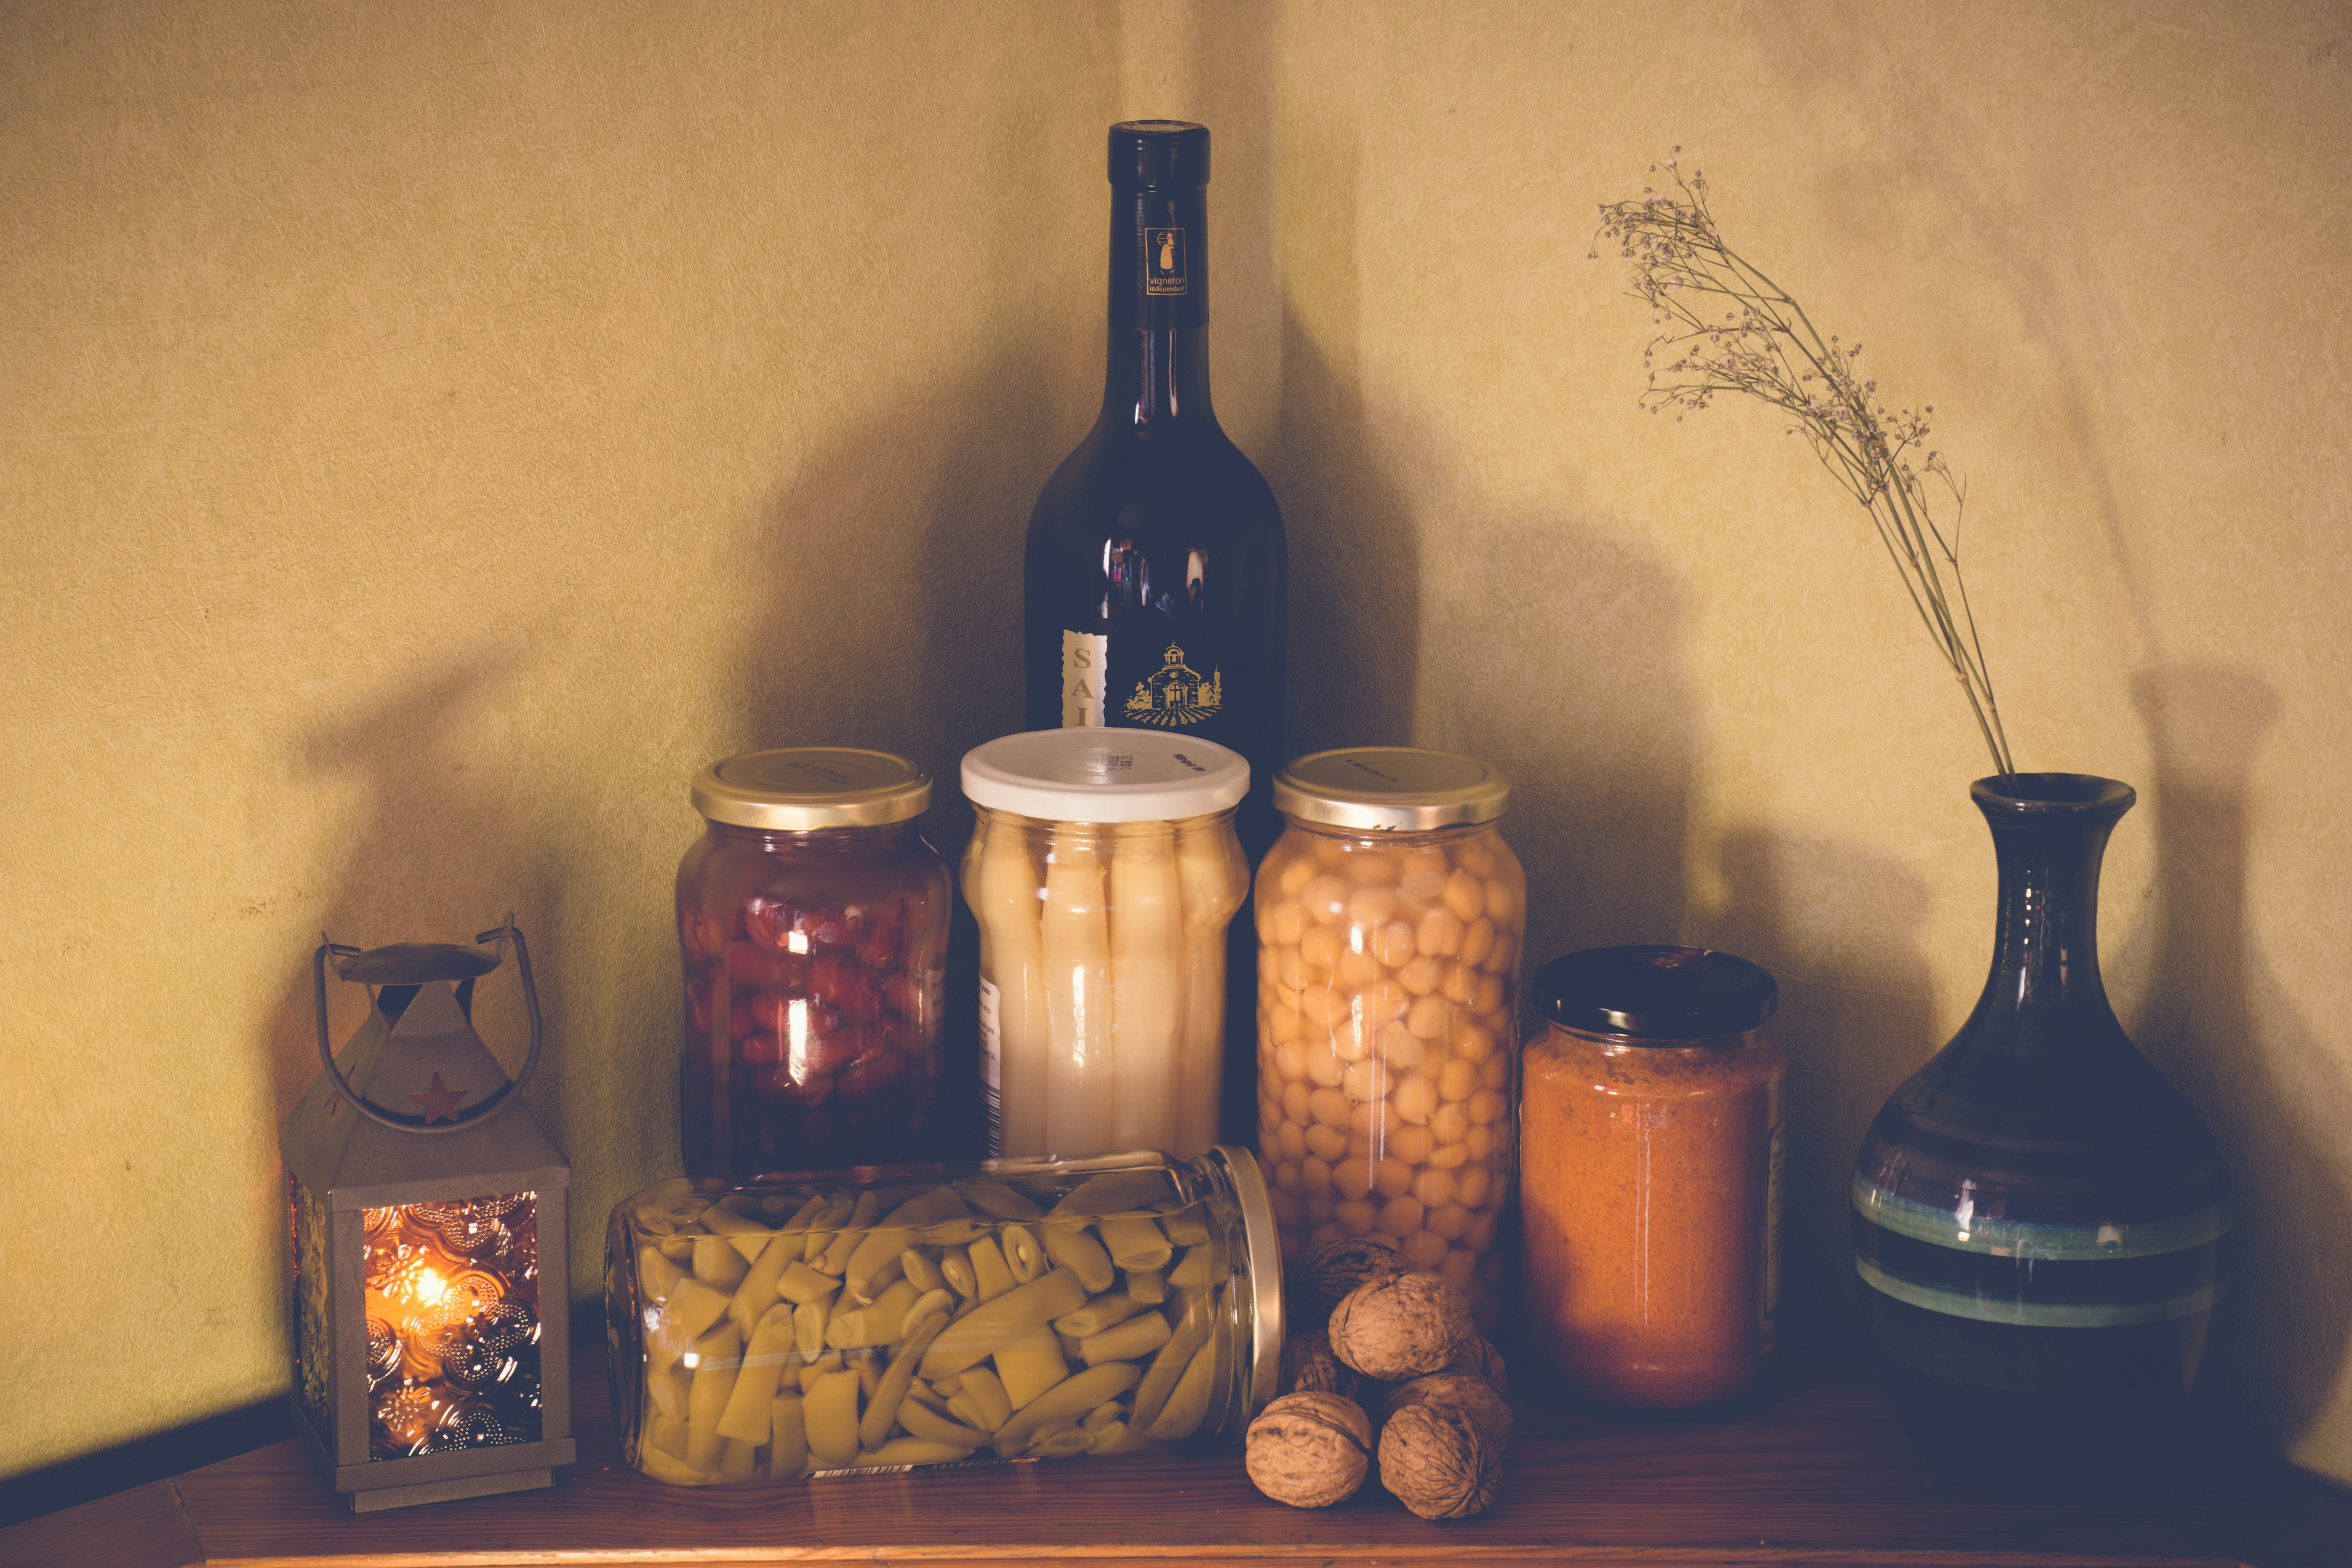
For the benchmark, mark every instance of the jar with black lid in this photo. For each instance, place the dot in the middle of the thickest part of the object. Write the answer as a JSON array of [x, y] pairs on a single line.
[[1651, 1154]]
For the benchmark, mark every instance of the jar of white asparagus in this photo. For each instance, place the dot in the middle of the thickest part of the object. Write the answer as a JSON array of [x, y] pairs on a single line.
[[1389, 918], [786, 1327], [1103, 869]]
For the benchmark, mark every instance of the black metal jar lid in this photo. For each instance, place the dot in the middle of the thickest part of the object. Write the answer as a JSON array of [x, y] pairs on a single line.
[[1656, 995]]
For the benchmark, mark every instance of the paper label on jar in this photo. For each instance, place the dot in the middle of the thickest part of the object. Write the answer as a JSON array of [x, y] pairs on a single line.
[[991, 1068], [1767, 1305], [1085, 659]]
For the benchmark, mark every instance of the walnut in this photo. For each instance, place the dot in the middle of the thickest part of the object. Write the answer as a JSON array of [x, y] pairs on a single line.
[[1473, 1396], [1309, 1367], [1394, 1328], [1335, 1267], [1480, 1359], [1437, 1462], [1310, 1450]]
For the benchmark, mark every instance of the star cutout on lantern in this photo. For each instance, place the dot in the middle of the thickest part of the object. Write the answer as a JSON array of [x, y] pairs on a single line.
[[440, 1104]]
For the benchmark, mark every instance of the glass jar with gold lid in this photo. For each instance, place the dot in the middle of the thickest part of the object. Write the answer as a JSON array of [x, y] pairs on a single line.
[[1389, 918], [813, 927], [1008, 1310]]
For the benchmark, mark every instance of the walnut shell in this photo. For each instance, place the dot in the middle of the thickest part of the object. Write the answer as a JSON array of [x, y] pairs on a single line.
[[1478, 1358], [1475, 1396], [1335, 1267], [1310, 1450], [1309, 1367], [1394, 1328], [1437, 1462]]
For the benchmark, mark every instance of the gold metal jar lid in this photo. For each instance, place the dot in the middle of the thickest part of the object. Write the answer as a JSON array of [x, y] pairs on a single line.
[[1390, 789], [804, 788]]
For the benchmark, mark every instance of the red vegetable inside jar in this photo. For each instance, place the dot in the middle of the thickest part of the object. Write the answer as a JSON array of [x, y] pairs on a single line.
[[812, 924]]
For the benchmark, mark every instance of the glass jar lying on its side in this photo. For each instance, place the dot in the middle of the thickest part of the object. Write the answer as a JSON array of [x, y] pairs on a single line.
[[927, 1315]]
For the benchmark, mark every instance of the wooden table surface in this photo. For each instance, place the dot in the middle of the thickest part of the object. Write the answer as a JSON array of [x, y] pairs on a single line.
[[1814, 1471]]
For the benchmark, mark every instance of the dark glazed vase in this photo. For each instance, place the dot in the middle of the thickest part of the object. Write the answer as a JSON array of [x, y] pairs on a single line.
[[2037, 1214]]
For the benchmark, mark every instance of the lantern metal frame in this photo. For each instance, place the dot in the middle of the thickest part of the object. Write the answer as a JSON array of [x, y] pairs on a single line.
[[353, 1154]]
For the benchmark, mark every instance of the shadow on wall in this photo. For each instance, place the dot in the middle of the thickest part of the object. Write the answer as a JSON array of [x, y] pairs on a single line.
[[893, 621], [1355, 558], [444, 849], [1840, 930], [2218, 1023]]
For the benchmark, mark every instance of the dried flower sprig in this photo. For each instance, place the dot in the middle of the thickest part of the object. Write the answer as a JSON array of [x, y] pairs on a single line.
[[1726, 327]]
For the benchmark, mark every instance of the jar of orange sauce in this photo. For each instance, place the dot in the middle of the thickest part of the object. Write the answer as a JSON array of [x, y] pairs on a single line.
[[1651, 1152]]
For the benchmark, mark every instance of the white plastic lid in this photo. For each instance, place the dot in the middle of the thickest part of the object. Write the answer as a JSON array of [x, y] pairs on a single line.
[[1097, 774]]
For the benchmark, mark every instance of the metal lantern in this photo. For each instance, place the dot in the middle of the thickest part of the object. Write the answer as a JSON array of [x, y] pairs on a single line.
[[430, 1336]]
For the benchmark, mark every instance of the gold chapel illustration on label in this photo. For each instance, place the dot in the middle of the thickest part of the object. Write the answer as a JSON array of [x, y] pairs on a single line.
[[1176, 694], [1163, 261]]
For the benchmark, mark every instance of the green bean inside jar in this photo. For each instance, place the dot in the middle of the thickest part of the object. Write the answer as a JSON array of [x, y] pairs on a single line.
[[1016, 1310], [1103, 871]]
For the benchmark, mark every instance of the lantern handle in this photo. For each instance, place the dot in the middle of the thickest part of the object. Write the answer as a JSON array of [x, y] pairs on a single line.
[[472, 1114]]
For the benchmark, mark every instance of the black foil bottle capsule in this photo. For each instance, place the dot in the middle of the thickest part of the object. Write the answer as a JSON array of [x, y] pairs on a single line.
[[1156, 576]]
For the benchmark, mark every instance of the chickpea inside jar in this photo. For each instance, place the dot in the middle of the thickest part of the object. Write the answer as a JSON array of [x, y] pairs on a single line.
[[1390, 919]]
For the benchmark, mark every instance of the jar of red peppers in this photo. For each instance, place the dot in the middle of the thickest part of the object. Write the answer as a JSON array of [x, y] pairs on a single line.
[[813, 921]]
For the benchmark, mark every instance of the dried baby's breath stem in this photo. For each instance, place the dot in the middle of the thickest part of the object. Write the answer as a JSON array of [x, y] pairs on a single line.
[[1727, 327]]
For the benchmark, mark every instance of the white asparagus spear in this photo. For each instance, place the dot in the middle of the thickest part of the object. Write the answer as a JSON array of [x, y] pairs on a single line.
[[1213, 875], [1007, 910], [1075, 933], [1147, 955]]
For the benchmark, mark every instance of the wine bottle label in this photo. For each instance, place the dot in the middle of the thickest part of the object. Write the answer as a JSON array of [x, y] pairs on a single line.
[[1086, 661], [1201, 677], [1163, 261], [992, 1071]]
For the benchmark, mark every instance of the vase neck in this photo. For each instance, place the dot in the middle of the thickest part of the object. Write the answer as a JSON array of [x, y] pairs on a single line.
[[2046, 945]]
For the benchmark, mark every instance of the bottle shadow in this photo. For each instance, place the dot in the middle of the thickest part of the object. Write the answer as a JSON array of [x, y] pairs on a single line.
[[914, 648], [2215, 1021], [1839, 927], [1355, 552]]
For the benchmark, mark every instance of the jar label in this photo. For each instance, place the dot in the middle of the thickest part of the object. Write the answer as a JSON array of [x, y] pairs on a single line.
[[992, 1069], [1767, 1304], [1086, 657]]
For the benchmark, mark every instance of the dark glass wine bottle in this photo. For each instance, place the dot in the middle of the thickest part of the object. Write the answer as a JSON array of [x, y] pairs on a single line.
[[1156, 573], [1156, 576]]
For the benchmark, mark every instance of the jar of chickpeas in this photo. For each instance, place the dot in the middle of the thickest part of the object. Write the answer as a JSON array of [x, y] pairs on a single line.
[[1389, 917]]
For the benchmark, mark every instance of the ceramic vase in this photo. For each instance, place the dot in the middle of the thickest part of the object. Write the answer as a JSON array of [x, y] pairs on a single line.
[[2038, 1216]]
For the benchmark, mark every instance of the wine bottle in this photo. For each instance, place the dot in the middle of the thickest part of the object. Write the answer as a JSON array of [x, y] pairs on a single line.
[[1155, 576]]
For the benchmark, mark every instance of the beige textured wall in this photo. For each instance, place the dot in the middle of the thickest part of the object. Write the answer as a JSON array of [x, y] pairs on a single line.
[[428, 433]]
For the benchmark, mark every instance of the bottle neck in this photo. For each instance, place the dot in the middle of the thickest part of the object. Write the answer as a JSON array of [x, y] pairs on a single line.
[[2046, 946], [1156, 373]]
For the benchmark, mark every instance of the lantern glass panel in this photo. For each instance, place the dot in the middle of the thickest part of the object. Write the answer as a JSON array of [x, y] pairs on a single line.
[[314, 1349], [453, 1325]]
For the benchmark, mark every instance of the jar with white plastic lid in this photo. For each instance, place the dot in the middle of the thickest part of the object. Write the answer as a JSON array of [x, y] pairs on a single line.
[[1390, 919], [1103, 869]]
